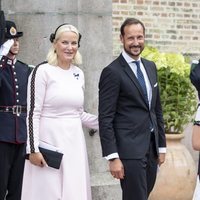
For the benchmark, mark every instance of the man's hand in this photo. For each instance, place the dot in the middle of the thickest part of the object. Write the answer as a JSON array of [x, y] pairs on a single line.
[[37, 159], [116, 168], [161, 158], [5, 48]]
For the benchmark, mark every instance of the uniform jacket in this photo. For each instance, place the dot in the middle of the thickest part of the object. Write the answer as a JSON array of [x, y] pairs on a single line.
[[13, 91], [124, 115]]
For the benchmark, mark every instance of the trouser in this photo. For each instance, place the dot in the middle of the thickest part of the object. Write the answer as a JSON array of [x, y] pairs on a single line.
[[12, 158], [199, 166], [140, 175]]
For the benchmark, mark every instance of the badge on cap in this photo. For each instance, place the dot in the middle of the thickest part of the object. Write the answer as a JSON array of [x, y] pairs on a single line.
[[13, 31]]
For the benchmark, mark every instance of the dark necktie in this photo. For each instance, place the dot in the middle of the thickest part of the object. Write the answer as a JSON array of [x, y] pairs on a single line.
[[141, 80]]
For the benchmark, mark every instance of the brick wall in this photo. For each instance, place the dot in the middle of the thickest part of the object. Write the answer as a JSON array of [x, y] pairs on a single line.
[[171, 25]]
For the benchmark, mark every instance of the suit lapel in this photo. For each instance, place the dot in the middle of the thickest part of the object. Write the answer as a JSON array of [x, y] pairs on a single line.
[[150, 73], [132, 76]]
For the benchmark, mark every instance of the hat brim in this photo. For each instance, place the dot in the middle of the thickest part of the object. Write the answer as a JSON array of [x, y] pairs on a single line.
[[19, 34]]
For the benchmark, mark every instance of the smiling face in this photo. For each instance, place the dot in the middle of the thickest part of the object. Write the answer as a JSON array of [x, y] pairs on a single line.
[[66, 47], [133, 40]]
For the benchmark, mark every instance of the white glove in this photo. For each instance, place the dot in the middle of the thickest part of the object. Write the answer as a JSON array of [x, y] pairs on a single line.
[[197, 118], [5, 48]]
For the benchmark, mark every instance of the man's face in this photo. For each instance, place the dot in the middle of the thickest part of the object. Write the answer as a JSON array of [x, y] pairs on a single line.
[[15, 47], [133, 40]]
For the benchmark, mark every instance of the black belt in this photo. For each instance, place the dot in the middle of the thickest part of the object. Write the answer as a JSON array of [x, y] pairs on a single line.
[[16, 109]]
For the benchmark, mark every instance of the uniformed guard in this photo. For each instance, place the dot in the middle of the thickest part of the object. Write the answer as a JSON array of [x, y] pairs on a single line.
[[13, 92]]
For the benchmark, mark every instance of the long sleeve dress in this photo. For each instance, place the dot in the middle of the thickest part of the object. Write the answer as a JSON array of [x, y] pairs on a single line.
[[55, 117]]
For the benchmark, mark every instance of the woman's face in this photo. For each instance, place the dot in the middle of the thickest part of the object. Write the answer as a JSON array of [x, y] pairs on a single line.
[[66, 47]]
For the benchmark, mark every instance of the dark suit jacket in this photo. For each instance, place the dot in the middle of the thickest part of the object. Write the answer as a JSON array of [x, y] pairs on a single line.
[[124, 115]]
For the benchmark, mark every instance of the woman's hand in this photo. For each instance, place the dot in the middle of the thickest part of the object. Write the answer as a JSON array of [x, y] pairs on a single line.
[[37, 159]]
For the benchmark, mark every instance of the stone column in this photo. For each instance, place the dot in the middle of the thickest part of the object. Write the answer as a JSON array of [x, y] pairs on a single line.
[[37, 19], [95, 21]]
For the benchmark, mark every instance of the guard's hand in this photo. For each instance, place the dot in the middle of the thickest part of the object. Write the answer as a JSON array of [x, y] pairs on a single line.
[[161, 158], [116, 168], [5, 48], [37, 159]]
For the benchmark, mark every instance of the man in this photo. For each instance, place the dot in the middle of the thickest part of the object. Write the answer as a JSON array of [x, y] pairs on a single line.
[[130, 116], [13, 88]]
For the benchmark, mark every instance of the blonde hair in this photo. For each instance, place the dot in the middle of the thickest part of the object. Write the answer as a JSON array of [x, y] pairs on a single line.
[[52, 56]]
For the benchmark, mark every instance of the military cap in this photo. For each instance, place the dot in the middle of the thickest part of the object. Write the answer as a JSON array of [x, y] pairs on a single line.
[[11, 31]]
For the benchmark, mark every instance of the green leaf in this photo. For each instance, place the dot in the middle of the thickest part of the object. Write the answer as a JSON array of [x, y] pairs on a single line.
[[178, 96]]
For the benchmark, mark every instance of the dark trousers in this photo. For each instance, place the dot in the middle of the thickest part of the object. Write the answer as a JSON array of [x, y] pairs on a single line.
[[12, 158], [140, 175]]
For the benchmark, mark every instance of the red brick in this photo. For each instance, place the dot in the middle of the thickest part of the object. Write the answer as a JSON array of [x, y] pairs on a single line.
[[168, 23]]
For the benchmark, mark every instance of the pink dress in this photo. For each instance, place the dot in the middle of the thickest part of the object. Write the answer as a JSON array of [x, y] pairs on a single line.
[[57, 121]]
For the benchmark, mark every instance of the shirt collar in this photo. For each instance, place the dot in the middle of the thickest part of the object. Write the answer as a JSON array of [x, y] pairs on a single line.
[[128, 58]]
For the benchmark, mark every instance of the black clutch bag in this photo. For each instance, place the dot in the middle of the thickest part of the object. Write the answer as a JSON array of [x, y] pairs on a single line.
[[52, 158]]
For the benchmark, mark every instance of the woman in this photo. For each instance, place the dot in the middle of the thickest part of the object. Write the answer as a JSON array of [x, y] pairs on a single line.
[[55, 118]]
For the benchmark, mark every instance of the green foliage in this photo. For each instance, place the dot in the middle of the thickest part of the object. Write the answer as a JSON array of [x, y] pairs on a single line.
[[178, 96]]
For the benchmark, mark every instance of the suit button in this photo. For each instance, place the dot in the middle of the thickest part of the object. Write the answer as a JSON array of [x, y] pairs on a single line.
[[17, 86], [17, 100]]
